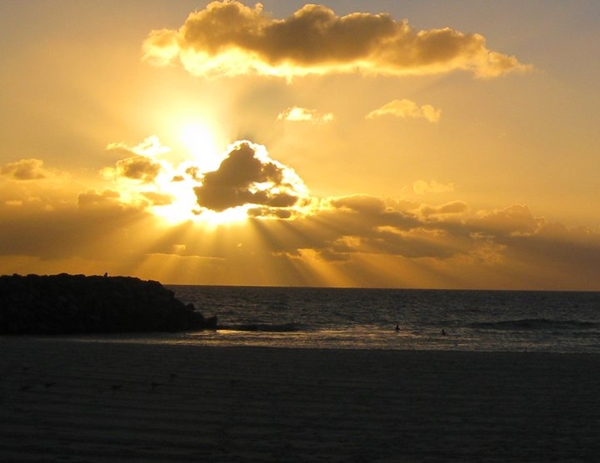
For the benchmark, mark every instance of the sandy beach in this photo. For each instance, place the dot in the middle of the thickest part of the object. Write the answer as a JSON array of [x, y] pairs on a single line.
[[83, 400]]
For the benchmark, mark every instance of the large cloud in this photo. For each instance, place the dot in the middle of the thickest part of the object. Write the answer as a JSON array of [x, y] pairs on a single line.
[[228, 38], [247, 176]]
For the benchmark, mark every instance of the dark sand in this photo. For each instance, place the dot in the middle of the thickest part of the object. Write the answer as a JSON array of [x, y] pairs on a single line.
[[67, 400]]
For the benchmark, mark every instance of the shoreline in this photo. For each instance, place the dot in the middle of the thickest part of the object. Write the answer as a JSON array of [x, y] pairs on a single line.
[[116, 401]]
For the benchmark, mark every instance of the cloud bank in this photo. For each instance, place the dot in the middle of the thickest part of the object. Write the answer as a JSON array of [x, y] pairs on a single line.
[[229, 38], [449, 244]]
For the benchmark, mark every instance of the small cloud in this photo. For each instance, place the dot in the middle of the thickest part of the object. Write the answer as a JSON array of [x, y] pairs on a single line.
[[137, 163], [229, 38], [422, 187], [26, 169], [151, 146], [407, 109], [297, 114], [138, 168]]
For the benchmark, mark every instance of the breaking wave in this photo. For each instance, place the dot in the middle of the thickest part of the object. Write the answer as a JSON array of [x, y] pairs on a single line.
[[270, 328]]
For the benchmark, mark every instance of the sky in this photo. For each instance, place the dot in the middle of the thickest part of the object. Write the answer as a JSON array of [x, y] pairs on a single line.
[[382, 143]]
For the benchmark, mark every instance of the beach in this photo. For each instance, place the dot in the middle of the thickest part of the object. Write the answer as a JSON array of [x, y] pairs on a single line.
[[106, 399]]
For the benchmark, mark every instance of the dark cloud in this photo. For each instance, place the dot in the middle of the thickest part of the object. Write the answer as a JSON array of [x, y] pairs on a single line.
[[138, 168], [25, 169], [248, 177], [229, 38]]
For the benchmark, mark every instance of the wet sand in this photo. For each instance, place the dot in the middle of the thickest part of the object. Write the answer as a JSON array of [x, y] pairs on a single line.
[[68, 400]]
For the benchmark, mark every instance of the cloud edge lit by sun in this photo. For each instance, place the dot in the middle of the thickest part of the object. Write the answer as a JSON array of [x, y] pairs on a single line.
[[228, 39]]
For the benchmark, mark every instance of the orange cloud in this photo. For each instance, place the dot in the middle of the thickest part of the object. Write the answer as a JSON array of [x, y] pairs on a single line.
[[228, 38]]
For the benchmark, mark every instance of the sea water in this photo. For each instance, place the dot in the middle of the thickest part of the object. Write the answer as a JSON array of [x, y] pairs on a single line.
[[338, 318]]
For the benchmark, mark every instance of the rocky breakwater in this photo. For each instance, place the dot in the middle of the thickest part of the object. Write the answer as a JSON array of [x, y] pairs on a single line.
[[68, 304]]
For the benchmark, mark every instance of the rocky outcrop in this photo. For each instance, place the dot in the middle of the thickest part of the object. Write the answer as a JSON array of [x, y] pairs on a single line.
[[66, 304]]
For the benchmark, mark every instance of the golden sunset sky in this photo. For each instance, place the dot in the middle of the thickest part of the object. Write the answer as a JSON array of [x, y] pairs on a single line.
[[409, 144]]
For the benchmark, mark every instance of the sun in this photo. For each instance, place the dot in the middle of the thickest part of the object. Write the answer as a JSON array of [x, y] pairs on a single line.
[[177, 183], [200, 142], [182, 206]]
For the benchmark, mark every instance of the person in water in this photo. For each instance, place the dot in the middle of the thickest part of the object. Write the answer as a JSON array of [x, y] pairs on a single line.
[[397, 327]]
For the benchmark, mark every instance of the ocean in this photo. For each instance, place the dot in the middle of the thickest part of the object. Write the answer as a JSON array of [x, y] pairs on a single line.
[[341, 318]]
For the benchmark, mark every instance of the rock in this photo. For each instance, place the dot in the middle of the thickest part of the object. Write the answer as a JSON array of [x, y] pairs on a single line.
[[68, 304]]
